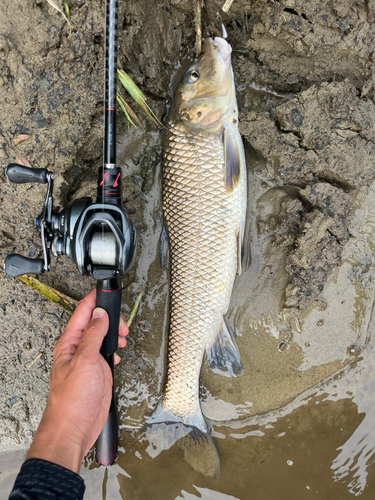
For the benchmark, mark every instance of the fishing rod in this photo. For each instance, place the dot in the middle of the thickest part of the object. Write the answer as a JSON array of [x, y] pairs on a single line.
[[97, 236]]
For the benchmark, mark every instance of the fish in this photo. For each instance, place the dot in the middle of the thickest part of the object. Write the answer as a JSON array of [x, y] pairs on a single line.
[[204, 205]]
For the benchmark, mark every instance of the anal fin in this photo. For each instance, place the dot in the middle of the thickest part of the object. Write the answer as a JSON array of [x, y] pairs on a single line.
[[222, 353]]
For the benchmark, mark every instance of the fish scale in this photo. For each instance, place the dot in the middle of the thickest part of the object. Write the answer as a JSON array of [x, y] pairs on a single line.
[[202, 220]]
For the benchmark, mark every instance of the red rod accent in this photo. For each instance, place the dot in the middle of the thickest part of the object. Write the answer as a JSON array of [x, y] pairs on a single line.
[[110, 109], [115, 184], [104, 178], [109, 291]]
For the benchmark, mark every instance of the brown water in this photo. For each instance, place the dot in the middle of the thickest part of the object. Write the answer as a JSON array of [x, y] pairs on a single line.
[[321, 445]]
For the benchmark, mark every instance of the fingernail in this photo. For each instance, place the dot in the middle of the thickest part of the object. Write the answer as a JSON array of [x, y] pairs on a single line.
[[98, 313]]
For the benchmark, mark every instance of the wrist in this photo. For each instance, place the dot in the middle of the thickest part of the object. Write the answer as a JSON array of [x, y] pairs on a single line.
[[55, 442]]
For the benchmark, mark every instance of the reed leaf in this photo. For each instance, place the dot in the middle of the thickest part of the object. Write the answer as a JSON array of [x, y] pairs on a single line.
[[134, 310], [62, 301], [137, 95], [129, 113]]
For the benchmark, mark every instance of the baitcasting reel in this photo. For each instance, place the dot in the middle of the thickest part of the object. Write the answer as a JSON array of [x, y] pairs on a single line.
[[98, 237]]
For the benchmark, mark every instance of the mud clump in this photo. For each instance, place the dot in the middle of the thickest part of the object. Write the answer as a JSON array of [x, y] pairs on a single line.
[[51, 82], [283, 228], [322, 142], [318, 247], [301, 43], [324, 134]]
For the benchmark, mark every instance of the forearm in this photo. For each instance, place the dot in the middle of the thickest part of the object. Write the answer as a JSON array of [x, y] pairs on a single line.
[[56, 441]]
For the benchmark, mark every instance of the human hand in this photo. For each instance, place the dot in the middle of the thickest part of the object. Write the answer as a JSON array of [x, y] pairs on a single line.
[[80, 388]]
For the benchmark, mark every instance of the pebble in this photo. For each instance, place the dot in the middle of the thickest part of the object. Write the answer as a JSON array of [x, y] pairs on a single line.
[[283, 346]]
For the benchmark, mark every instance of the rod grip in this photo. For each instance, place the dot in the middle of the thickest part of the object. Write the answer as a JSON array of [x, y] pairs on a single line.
[[19, 174], [106, 444], [17, 265], [108, 297]]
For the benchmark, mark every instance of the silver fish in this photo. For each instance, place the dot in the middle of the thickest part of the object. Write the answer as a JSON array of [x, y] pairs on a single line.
[[204, 203]]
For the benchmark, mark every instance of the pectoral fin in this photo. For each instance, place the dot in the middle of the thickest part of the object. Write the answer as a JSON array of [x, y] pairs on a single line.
[[231, 156]]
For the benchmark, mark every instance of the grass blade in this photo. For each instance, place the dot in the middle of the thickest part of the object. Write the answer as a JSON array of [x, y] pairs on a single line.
[[20, 138], [121, 101], [134, 310], [198, 27], [67, 304], [137, 95], [129, 113], [66, 8]]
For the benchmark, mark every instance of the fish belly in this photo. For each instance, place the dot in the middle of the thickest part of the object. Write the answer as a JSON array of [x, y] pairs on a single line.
[[203, 222]]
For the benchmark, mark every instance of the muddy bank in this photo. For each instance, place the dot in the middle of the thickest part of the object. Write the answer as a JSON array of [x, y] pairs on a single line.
[[304, 74]]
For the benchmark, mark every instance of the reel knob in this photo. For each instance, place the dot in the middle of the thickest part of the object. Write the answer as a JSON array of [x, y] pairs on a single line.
[[16, 265], [19, 174]]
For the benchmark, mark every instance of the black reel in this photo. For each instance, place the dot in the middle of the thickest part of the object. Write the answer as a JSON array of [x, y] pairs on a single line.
[[98, 237]]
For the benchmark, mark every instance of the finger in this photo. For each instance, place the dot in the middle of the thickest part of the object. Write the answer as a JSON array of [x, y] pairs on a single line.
[[116, 359], [67, 345], [123, 329], [81, 316], [121, 342], [94, 334]]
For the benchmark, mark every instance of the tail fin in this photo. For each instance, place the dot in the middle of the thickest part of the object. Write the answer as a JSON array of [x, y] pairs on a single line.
[[222, 354], [163, 429]]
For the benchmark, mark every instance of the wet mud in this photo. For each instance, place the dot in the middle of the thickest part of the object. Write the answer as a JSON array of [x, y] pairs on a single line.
[[302, 310]]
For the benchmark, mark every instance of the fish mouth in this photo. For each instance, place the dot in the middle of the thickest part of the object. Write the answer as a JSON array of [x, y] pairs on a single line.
[[223, 47]]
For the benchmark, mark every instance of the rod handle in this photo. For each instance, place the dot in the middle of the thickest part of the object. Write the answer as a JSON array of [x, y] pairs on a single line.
[[106, 444], [19, 174], [16, 265], [108, 297]]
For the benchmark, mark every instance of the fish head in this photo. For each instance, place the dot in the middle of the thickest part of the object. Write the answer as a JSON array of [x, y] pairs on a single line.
[[206, 93]]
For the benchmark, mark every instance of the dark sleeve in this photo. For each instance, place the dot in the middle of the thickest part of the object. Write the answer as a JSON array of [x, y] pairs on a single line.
[[42, 480]]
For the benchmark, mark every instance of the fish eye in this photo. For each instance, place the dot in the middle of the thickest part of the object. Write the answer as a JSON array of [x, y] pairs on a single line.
[[192, 76]]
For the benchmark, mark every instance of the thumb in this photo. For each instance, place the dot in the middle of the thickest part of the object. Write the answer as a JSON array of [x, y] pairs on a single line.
[[94, 333]]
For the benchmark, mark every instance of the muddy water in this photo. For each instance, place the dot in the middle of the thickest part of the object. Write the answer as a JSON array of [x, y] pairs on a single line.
[[321, 445]]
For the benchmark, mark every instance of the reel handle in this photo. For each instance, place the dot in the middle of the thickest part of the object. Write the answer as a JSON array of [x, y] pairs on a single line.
[[19, 174], [16, 265]]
